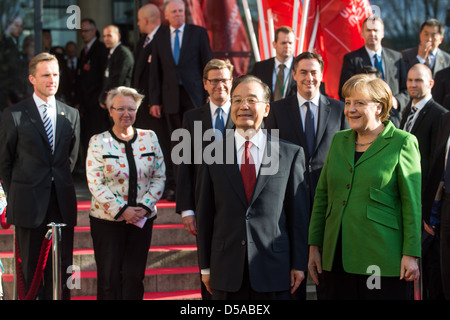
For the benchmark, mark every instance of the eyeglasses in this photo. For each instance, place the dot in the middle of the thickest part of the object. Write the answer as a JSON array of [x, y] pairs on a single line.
[[122, 110], [215, 82], [251, 101]]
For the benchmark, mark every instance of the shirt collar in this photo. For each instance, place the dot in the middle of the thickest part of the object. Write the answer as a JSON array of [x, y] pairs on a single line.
[[423, 102], [39, 102], [172, 29], [287, 63], [371, 52], [225, 107], [314, 100], [258, 140]]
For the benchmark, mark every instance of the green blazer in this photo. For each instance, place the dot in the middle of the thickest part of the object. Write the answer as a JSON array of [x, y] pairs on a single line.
[[375, 202]]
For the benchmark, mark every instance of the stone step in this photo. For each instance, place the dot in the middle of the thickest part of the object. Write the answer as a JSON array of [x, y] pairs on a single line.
[[156, 280]]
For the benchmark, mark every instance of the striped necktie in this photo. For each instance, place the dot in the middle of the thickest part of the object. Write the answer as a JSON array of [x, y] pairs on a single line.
[[48, 125], [409, 120]]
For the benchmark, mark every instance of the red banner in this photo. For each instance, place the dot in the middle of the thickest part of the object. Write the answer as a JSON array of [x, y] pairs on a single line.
[[339, 32], [282, 15]]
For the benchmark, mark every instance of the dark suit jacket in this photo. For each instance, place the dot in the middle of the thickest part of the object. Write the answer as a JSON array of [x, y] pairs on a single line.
[[285, 116], [395, 71], [441, 88], [264, 71], [118, 71], [165, 74], [270, 231], [27, 164], [442, 59], [187, 172], [141, 78], [437, 167], [91, 68], [425, 129]]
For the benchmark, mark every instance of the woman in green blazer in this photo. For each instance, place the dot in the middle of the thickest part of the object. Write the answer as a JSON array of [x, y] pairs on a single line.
[[365, 225]]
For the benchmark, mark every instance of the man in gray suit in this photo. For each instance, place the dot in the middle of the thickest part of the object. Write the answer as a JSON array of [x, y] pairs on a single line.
[[40, 138], [427, 52], [252, 206], [389, 62]]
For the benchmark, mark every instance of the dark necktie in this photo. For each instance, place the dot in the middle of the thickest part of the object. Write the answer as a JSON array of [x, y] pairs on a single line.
[[309, 128], [248, 172], [279, 85], [377, 64], [219, 124], [447, 174], [176, 47], [409, 123], [147, 41]]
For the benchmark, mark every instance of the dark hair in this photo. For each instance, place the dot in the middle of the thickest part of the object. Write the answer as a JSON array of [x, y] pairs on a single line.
[[251, 78], [433, 23], [307, 55], [370, 70], [283, 29]]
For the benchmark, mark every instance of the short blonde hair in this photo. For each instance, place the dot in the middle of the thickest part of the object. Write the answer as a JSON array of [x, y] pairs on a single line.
[[376, 90], [123, 91]]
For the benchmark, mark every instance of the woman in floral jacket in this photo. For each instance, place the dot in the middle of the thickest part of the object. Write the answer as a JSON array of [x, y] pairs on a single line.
[[126, 176]]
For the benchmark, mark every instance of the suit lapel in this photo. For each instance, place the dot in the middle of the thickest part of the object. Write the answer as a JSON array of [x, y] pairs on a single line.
[[420, 117], [379, 143], [35, 118], [323, 114], [295, 118], [185, 41], [60, 120], [262, 179]]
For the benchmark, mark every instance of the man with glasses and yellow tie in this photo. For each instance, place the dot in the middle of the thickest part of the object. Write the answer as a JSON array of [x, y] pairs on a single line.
[[40, 138]]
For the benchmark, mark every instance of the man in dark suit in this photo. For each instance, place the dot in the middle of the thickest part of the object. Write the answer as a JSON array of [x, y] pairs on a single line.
[[436, 202], [441, 88], [179, 54], [212, 117], [39, 148], [288, 115], [119, 65], [280, 81], [90, 70], [421, 118], [389, 62], [428, 52], [149, 22], [252, 206]]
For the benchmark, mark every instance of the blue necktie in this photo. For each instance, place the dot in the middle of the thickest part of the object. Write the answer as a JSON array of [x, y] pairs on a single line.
[[48, 126], [219, 125], [309, 128], [176, 47], [447, 174], [377, 64]]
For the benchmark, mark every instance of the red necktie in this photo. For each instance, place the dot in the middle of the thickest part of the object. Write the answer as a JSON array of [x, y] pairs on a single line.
[[248, 172]]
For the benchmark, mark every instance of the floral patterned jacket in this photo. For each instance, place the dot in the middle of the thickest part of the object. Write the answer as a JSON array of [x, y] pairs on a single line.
[[124, 173]]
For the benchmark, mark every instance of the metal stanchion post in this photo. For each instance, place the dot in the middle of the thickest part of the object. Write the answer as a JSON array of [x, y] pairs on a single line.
[[56, 257], [418, 283]]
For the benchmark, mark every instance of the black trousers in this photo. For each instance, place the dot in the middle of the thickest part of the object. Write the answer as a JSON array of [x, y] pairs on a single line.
[[29, 241], [445, 245], [120, 252]]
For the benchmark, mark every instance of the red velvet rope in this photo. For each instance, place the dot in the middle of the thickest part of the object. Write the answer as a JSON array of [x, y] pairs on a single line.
[[4, 224], [31, 295]]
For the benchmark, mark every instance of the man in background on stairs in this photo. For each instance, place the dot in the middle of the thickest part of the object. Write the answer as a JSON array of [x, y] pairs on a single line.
[[39, 148], [214, 115]]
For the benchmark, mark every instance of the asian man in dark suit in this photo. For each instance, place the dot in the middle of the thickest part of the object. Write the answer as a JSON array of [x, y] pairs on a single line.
[[149, 23], [179, 54], [389, 62], [214, 118], [428, 52], [90, 70], [422, 118], [39, 148], [280, 81], [252, 206], [119, 65]]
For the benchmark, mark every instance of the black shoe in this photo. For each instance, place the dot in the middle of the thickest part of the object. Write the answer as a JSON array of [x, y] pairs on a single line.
[[169, 195]]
